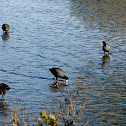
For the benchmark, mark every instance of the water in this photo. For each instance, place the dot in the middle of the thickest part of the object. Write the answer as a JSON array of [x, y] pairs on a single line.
[[65, 34]]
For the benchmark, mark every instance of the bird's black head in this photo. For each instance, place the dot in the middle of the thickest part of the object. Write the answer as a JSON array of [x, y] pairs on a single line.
[[104, 43], [66, 78]]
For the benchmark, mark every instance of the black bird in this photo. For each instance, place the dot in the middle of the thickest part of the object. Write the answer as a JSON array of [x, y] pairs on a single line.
[[59, 73], [106, 47], [5, 28], [4, 88]]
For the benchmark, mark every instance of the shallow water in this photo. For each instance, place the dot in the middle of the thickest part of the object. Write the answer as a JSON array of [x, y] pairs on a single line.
[[65, 34]]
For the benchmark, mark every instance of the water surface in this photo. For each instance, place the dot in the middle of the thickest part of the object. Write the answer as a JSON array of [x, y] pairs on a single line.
[[65, 34]]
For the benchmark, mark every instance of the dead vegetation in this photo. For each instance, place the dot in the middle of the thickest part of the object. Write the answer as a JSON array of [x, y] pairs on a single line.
[[66, 111]]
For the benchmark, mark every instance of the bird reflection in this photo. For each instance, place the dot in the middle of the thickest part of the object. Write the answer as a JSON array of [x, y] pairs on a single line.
[[5, 36], [58, 85], [105, 59], [3, 106]]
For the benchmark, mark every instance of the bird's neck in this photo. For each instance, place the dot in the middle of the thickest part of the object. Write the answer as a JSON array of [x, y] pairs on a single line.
[[105, 44]]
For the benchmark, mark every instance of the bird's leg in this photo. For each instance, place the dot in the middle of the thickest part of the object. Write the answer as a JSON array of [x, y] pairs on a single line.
[[2, 97], [56, 80]]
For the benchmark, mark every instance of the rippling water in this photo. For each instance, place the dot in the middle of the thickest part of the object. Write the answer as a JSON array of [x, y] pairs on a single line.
[[65, 34]]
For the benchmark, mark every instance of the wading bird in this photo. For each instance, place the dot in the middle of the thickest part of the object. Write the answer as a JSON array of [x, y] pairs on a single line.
[[4, 88], [58, 73], [6, 28], [106, 47]]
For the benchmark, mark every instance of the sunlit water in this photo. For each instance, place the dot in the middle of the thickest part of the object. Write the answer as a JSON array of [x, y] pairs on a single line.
[[65, 34]]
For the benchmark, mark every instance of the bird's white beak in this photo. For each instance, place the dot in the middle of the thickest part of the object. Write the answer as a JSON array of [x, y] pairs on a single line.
[[101, 43], [66, 81]]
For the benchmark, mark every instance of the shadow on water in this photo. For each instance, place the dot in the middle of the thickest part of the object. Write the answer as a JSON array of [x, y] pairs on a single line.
[[108, 14]]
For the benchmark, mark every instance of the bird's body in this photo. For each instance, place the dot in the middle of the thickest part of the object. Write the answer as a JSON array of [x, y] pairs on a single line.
[[4, 88], [5, 28], [58, 73], [106, 47]]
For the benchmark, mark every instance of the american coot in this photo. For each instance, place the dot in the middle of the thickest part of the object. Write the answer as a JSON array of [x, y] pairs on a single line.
[[59, 73], [5, 28], [4, 88], [106, 47]]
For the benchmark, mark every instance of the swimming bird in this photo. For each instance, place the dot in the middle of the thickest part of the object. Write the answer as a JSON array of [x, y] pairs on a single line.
[[58, 73], [106, 47], [5, 28], [4, 88]]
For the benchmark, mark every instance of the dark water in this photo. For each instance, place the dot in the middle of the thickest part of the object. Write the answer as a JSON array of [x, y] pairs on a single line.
[[65, 34]]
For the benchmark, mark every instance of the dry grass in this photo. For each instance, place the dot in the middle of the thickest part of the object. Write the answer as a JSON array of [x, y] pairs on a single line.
[[67, 110], [20, 116]]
